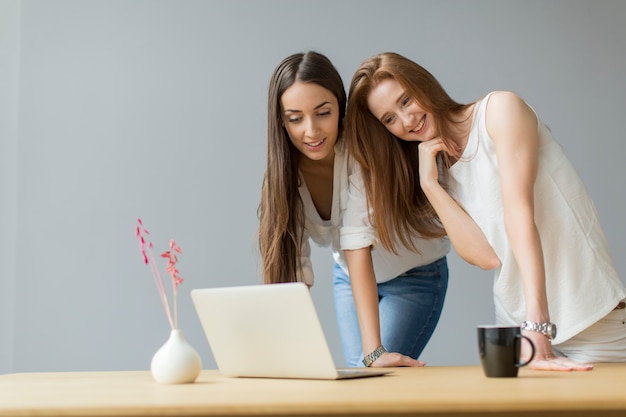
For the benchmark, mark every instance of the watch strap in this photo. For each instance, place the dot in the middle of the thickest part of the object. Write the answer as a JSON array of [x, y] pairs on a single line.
[[547, 329], [371, 357]]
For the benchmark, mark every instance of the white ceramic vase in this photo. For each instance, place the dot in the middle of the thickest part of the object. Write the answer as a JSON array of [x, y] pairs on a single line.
[[176, 362]]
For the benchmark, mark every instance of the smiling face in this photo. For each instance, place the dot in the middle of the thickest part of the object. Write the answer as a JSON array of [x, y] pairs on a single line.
[[401, 114], [311, 117]]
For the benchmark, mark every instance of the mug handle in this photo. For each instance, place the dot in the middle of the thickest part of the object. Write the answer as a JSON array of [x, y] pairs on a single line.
[[532, 353]]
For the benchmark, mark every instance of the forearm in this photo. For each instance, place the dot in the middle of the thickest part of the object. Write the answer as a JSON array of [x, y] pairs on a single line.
[[465, 235], [527, 250], [365, 293]]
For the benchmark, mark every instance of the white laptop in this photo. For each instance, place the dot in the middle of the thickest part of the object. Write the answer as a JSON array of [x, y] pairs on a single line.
[[268, 331]]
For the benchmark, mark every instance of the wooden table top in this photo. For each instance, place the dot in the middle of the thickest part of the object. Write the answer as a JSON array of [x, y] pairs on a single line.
[[444, 391]]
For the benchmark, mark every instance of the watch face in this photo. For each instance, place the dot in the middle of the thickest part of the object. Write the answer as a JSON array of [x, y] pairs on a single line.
[[549, 329], [552, 331]]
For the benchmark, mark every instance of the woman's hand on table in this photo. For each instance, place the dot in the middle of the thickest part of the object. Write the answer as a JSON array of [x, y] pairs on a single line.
[[545, 359], [394, 359]]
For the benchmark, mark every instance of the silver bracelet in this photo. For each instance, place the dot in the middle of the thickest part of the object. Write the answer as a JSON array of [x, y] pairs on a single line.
[[370, 358]]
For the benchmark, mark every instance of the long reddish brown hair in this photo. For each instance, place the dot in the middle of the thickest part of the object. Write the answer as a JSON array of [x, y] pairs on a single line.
[[400, 209]]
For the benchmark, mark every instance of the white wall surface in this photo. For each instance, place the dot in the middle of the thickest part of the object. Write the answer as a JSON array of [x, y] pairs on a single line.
[[116, 109]]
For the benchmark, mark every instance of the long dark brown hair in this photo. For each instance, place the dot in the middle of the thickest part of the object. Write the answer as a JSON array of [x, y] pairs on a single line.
[[281, 212], [399, 207]]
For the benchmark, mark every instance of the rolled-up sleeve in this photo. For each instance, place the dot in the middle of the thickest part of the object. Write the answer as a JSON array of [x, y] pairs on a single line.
[[306, 266], [356, 231]]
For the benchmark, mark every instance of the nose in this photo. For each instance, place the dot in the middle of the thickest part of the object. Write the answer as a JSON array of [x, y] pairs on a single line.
[[407, 118], [311, 128]]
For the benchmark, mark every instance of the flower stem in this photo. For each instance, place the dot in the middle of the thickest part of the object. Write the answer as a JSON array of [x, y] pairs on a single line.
[[161, 289]]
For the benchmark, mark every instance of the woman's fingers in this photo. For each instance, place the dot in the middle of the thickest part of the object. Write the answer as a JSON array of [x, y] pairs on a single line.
[[559, 363], [545, 359], [428, 159], [394, 359]]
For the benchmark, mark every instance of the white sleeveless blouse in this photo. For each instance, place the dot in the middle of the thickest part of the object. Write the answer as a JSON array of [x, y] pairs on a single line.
[[581, 280]]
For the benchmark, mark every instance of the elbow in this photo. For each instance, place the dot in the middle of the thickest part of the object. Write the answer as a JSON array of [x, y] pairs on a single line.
[[489, 262], [486, 262], [482, 256]]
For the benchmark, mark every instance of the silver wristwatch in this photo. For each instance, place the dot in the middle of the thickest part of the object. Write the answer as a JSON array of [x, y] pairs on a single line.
[[546, 329], [370, 358]]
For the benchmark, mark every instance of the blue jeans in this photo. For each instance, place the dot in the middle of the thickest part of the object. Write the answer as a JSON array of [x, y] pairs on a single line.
[[409, 307]]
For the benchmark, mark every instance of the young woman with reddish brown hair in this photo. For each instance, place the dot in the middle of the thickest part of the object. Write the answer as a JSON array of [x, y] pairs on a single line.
[[507, 196]]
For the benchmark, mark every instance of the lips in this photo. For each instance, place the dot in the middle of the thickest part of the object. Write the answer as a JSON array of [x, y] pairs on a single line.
[[315, 144], [420, 125]]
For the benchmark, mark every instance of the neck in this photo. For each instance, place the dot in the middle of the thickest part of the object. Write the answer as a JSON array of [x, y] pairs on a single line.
[[462, 128], [308, 165]]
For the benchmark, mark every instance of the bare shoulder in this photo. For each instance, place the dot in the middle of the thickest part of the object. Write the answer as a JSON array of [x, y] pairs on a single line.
[[505, 101], [506, 110]]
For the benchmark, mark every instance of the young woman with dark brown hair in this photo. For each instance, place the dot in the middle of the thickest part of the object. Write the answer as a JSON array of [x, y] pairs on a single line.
[[312, 191]]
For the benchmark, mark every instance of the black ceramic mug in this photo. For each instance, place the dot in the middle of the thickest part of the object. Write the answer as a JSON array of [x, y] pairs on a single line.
[[499, 348]]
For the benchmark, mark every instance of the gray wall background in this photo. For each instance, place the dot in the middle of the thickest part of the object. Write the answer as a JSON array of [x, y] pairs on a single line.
[[110, 110]]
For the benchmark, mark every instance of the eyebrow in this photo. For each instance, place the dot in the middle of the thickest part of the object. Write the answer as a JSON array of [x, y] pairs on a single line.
[[316, 107]]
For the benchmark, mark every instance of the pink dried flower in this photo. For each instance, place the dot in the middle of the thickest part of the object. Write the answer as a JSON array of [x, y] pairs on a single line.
[[146, 251]]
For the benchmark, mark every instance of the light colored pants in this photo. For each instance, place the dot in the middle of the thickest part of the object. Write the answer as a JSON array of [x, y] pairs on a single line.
[[604, 341]]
